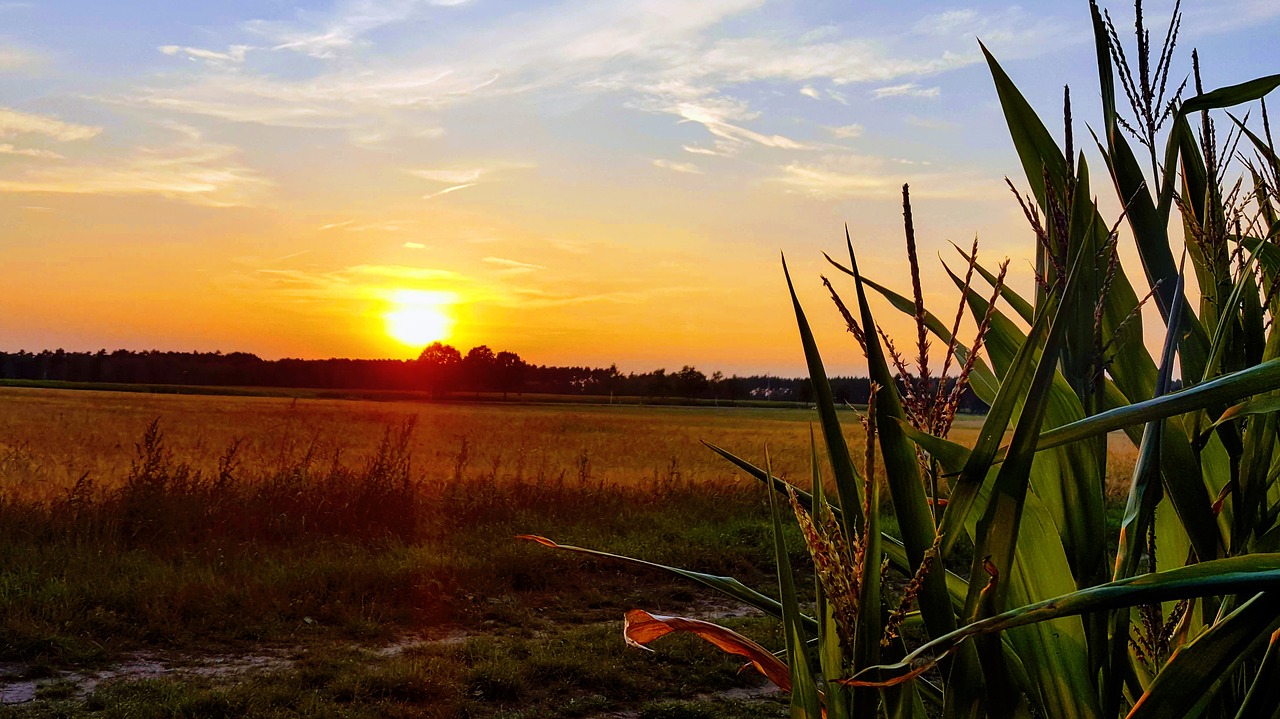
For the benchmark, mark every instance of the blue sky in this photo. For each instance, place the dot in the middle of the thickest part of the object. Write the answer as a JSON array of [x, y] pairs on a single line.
[[587, 181]]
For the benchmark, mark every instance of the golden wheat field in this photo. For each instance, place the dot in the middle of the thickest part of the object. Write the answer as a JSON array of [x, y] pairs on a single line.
[[50, 438]]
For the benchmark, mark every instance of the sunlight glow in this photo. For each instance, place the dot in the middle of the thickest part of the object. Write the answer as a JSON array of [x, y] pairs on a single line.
[[418, 318]]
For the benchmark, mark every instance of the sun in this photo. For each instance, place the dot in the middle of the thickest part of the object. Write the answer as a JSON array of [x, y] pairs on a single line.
[[418, 318]]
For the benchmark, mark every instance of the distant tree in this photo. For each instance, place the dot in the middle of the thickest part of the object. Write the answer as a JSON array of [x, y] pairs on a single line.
[[478, 369], [509, 372], [439, 366], [690, 382]]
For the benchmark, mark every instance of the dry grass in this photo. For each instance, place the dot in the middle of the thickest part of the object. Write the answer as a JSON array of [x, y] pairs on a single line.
[[49, 439]]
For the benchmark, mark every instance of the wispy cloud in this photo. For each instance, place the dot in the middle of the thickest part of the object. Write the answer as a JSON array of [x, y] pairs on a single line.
[[718, 115], [352, 226], [460, 178], [13, 122], [447, 190], [675, 56], [354, 282], [908, 89], [685, 167], [847, 132], [344, 27], [190, 169], [414, 246], [845, 176], [233, 55], [452, 176], [513, 267], [928, 123], [9, 149], [12, 58]]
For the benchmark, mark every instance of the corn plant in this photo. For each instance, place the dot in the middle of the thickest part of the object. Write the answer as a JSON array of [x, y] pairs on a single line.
[[1177, 617]]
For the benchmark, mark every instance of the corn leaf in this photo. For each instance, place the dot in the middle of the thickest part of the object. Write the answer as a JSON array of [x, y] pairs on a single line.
[[725, 585], [848, 484], [1263, 699], [1226, 389], [805, 703], [1198, 670], [641, 628], [902, 471], [1246, 573]]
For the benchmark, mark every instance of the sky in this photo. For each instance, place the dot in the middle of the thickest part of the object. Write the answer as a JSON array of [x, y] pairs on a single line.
[[600, 182]]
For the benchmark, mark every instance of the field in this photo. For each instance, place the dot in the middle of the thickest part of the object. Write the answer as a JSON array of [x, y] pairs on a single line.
[[170, 555]]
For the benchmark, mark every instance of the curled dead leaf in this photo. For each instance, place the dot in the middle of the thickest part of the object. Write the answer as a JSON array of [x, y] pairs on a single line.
[[641, 628]]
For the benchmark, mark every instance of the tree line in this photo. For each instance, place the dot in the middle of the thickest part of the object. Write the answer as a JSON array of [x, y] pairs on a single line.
[[440, 370]]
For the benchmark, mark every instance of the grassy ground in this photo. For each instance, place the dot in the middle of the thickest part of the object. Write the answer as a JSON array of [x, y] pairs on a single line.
[[201, 527]]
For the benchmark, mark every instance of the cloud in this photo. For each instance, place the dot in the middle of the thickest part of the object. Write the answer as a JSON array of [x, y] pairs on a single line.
[[844, 176], [947, 23], [454, 177], [190, 169], [685, 167], [460, 178], [715, 115], [351, 226], [414, 246], [12, 58], [401, 272], [447, 190], [344, 27], [909, 89], [846, 132], [9, 149], [355, 282], [234, 54], [512, 267], [928, 123], [383, 70], [836, 177], [13, 122]]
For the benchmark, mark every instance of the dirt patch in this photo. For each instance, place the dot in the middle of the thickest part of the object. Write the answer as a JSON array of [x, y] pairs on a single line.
[[20, 684]]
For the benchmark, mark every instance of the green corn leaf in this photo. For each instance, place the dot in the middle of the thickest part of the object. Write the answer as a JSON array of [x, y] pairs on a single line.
[[915, 519], [830, 656], [1196, 672], [725, 585], [805, 703], [1227, 322], [849, 486], [1256, 406], [866, 649], [1139, 513], [1263, 699], [1231, 95], [1035, 146], [1234, 575], [1226, 389], [1068, 691], [1059, 475], [893, 548], [1013, 390]]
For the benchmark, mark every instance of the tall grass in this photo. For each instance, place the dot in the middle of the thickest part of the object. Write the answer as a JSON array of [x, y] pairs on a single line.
[[171, 548]]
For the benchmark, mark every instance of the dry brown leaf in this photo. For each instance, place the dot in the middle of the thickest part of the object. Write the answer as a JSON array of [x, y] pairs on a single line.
[[641, 628]]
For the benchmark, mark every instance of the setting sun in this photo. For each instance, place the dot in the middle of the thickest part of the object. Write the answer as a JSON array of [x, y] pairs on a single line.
[[419, 318]]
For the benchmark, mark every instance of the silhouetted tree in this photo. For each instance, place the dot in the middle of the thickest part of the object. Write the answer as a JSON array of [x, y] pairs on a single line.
[[440, 367]]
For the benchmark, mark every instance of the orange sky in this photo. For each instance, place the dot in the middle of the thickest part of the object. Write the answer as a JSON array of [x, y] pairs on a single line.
[[609, 182]]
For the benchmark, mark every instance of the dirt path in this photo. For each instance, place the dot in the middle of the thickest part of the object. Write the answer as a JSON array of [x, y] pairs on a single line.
[[19, 686]]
